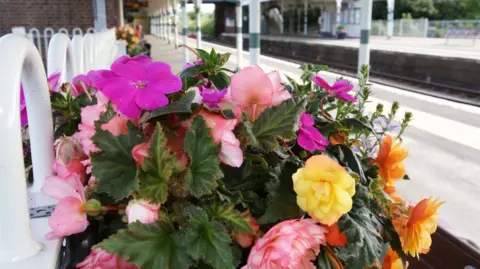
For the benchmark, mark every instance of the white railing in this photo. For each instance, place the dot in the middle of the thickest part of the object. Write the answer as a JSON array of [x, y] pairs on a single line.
[[42, 39], [22, 240], [402, 27]]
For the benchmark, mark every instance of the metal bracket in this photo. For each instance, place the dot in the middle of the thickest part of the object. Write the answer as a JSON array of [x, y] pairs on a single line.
[[41, 212]]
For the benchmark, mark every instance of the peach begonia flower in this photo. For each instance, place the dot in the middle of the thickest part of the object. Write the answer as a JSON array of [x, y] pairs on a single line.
[[415, 230], [253, 90], [245, 240], [139, 152], [116, 125], [324, 189], [291, 244], [390, 161], [68, 158]]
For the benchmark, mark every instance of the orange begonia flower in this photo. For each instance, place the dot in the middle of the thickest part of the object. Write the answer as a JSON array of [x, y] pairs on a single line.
[[392, 261], [415, 231], [390, 161], [335, 237]]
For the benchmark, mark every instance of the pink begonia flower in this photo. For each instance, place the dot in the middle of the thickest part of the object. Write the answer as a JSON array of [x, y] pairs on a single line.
[[338, 90], [222, 132], [69, 158], [139, 152], [142, 211], [100, 259], [138, 83], [86, 128], [116, 125], [69, 216], [309, 137], [290, 244], [253, 90]]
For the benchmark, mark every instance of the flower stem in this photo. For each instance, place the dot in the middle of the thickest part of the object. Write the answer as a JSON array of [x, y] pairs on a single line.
[[192, 50], [323, 111], [289, 150], [333, 258], [113, 208]]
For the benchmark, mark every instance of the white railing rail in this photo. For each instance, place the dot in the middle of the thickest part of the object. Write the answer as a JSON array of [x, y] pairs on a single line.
[[21, 62], [22, 240]]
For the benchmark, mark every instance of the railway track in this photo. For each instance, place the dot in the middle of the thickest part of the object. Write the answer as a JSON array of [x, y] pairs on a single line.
[[447, 92]]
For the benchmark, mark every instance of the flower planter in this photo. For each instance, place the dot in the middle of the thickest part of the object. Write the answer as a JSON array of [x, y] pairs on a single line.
[[341, 35]]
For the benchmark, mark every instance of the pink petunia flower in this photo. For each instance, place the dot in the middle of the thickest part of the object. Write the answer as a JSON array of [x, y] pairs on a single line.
[[338, 90], [309, 137], [142, 211], [222, 132], [100, 259], [138, 83], [290, 244], [253, 90], [69, 216]]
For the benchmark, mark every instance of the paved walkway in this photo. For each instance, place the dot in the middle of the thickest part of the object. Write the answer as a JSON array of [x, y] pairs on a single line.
[[462, 48], [164, 52]]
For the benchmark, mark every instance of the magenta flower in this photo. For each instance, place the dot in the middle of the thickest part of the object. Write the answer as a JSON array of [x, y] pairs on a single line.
[[212, 97], [338, 90], [77, 82], [138, 83], [53, 81], [188, 65], [309, 137], [23, 108]]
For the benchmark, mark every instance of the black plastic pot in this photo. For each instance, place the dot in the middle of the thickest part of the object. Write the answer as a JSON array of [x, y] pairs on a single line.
[[341, 35]]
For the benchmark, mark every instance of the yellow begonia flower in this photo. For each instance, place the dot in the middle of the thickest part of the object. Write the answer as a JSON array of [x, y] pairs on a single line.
[[324, 189]]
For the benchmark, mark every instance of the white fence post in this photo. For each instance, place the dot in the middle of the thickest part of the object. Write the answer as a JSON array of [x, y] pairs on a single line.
[[60, 62], [20, 60]]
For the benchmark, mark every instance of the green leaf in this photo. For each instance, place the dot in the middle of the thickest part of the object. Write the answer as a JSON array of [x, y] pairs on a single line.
[[390, 235], [226, 214], [278, 121], [58, 101], [220, 80], [67, 129], [282, 200], [203, 54], [356, 125], [361, 227], [157, 169], [204, 170], [150, 246], [114, 168], [207, 240], [323, 261], [182, 105], [189, 82], [348, 158], [193, 70]]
